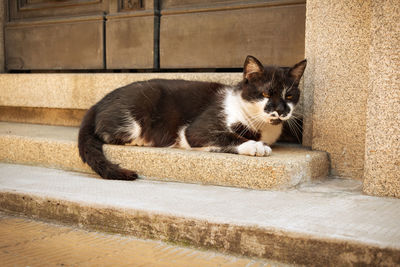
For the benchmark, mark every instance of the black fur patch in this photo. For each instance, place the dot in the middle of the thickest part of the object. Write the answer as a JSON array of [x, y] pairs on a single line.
[[244, 131]]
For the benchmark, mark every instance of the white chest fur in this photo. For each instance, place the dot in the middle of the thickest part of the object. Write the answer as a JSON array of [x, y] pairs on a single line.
[[250, 114], [270, 133]]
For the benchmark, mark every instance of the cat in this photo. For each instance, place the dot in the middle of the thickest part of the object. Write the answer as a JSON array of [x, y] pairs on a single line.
[[243, 119]]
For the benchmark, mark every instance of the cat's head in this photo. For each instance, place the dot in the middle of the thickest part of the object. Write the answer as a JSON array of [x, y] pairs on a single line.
[[271, 92]]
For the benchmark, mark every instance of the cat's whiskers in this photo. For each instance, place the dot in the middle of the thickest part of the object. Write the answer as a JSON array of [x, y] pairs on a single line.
[[297, 124], [254, 124], [295, 127], [252, 120], [294, 131]]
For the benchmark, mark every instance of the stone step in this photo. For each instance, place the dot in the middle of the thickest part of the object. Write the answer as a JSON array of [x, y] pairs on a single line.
[[31, 242], [56, 147], [329, 223], [82, 90]]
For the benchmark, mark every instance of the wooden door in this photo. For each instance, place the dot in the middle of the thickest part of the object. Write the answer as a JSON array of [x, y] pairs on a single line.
[[221, 33], [79, 34], [151, 34]]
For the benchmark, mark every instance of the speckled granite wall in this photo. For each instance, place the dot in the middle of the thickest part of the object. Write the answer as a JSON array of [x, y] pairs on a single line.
[[382, 149], [310, 51], [337, 77]]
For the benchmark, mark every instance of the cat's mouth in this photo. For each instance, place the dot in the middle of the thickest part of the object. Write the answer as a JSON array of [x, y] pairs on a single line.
[[275, 121]]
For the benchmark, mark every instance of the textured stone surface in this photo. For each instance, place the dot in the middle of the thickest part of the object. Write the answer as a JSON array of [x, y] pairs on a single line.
[[56, 146], [337, 78], [309, 73], [382, 149], [80, 91], [26, 242], [325, 224], [50, 116]]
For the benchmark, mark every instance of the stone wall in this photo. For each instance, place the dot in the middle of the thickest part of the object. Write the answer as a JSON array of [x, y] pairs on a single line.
[[352, 88], [382, 147], [337, 49]]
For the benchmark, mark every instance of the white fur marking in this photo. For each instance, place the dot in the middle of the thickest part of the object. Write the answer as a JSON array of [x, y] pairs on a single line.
[[136, 131], [250, 114], [182, 141], [274, 114], [253, 148], [270, 133], [291, 107]]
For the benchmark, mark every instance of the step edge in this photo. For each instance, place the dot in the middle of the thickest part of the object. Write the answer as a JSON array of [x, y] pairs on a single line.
[[168, 150], [92, 216], [288, 169]]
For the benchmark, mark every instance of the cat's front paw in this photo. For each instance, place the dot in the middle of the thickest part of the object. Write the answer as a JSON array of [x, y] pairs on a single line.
[[253, 148]]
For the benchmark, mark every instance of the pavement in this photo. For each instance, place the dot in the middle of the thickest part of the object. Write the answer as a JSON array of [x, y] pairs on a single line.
[[328, 222], [25, 242]]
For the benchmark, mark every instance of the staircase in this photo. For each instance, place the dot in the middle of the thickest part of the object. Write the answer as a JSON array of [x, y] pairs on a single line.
[[281, 207]]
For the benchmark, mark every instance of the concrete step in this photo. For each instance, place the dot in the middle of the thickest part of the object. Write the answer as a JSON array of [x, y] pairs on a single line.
[[56, 147], [27, 242], [81, 90], [62, 99], [328, 223]]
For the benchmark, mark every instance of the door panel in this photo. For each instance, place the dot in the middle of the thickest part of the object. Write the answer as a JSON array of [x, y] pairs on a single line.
[[25, 9], [130, 35], [130, 42], [50, 44], [55, 35], [223, 37], [71, 34]]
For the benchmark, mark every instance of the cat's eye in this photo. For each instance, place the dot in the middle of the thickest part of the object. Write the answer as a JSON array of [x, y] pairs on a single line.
[[265, 94], [289, 97]]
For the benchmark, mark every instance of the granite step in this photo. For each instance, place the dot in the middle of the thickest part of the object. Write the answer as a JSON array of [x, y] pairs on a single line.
[[326, 223], [81, 90], [56, 147]]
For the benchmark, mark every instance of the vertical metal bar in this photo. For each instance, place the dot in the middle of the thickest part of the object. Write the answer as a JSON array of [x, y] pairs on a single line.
[[156, 51], [104, 41]]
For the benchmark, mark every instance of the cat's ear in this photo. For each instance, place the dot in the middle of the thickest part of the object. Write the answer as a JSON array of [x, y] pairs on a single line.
[[252, 65], [297, 70]]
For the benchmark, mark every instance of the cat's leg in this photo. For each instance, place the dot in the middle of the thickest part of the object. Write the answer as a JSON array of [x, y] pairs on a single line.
[[249, 148], [254, 148], [227, 142]]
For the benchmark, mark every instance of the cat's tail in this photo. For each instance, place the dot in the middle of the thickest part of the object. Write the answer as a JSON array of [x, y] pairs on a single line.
[[91, 151]]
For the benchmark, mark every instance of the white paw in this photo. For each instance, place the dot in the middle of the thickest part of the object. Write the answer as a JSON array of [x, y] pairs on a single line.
[[253, 148]]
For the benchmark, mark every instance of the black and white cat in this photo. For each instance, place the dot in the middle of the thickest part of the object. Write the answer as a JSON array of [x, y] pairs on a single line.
[[243, 119]]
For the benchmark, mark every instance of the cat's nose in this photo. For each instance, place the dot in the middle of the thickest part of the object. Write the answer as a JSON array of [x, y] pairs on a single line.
[[280, 109]]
